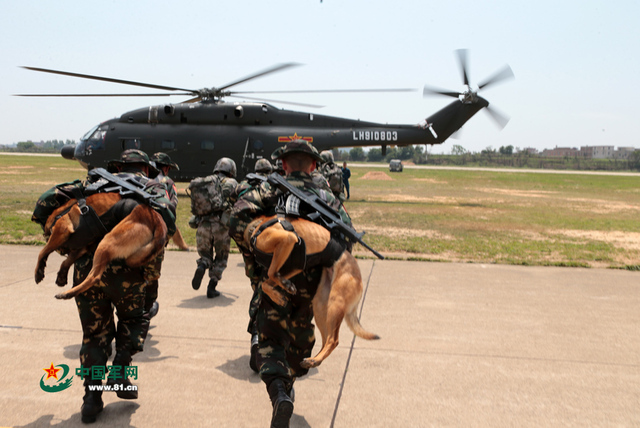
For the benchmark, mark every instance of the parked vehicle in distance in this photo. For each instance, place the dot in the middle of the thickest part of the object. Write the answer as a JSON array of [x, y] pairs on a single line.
[[395, 165]]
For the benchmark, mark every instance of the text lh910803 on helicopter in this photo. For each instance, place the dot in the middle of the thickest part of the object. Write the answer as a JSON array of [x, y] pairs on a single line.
[[199, 131]]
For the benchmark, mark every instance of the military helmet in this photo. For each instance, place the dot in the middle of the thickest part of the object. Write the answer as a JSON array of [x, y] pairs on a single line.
[[297, 146], [263, 166], [163, 159], [327, 156], [227, 166], [131, 156]]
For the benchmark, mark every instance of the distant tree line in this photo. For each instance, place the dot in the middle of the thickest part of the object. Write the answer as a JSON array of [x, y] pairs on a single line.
[[505, 156], [50, 146]]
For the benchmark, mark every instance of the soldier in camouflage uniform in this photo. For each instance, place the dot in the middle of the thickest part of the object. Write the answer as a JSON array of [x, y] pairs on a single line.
[[333, 175], [164, 164], [120, 287], [286, 333], [253, 270], [212, 233]]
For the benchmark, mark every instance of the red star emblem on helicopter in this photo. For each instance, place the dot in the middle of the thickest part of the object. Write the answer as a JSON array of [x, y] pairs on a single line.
[[294, 137]]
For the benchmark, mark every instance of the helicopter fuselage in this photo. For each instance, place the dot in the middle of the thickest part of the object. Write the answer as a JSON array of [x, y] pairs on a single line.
[[196, 135]]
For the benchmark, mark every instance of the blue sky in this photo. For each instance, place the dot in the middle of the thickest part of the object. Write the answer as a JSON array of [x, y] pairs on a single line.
[[575, 62]]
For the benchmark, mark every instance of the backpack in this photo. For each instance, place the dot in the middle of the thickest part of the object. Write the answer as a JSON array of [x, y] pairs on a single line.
[[333, 174], [206, 195]]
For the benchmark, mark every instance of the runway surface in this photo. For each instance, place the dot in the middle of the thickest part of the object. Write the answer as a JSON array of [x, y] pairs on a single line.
[[465, 345]]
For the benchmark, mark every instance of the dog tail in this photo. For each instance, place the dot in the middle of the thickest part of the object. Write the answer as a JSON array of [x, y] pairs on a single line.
[[354, 324], [179, 241]]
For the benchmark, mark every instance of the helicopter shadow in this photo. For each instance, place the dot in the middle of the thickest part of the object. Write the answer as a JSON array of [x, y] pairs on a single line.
[[114, 414]]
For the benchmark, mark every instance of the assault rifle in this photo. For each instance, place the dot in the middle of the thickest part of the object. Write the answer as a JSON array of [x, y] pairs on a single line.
[[124, 186], [321, 212]]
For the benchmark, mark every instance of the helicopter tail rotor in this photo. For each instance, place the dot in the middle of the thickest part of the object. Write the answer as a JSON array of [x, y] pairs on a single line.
[[470, 96]]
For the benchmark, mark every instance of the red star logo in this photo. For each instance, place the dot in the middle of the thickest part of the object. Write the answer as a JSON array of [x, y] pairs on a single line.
[[52, 372], [294, 137]]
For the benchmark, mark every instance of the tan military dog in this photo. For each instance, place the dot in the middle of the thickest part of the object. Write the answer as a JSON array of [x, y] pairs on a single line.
[[137, 239], [340, 288]]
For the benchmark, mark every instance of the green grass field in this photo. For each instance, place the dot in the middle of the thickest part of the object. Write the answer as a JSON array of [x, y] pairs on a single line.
[[589, 220]]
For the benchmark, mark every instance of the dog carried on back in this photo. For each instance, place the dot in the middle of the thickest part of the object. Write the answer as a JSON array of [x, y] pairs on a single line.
[[112, 217], [286, 244]]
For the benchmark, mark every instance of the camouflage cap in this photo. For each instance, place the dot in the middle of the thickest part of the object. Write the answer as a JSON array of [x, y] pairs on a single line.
[[131, 156], [297, 146], [264, 166], [161, 158]]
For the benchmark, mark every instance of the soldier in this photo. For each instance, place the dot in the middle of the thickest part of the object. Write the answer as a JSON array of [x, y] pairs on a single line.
[[346, 175], [286, 334], [253, 270], [262, 167], [164, 164], [333, 174], [212, 198], [120, 287]]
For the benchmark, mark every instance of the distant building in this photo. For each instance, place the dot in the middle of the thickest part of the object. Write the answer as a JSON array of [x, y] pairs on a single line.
[[561, 152], [623, 152]]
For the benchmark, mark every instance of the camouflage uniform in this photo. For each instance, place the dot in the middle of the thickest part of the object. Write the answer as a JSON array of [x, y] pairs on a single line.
[[212, 235], [120, 287], [161, 160], [286, 331], [332, 172], [252, 270]]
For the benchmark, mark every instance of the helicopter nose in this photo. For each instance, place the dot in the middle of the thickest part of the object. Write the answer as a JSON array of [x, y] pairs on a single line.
[[67, 151]]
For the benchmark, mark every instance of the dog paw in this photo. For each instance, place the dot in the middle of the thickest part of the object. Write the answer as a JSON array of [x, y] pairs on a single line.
[[289, 286], [61, 281], [309, 363], [39, 277], [62, 296]]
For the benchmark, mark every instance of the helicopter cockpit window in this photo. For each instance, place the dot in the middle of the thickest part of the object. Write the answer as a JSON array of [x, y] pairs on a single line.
[[90, 133], [206, 145], [258, 145], [168, 145]]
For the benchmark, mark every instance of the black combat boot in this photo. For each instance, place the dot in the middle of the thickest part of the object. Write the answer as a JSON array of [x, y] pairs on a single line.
[[154, 309], [125, 389], [282, 404], [211, 288], [91, 402], [197, 277]]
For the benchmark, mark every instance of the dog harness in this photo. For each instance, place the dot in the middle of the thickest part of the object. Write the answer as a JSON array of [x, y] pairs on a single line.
[[298, 259]]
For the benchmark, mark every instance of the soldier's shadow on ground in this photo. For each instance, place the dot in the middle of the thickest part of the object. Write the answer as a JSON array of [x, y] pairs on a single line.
[[202, 302], [239, 369], [114, 414], [298, 421], [150, 354]]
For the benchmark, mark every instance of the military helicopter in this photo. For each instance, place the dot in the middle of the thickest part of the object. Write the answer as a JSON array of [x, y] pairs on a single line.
[[199, 131]]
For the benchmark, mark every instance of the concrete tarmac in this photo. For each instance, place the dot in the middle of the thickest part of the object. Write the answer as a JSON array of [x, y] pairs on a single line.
[[462, 345]]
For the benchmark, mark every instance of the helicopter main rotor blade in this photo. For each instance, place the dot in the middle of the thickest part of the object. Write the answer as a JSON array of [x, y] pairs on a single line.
[[108, 79], [462, 59], [503, 74], [273, 69], [101, 95], [319, 91], [278, 101], [435, 91]]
